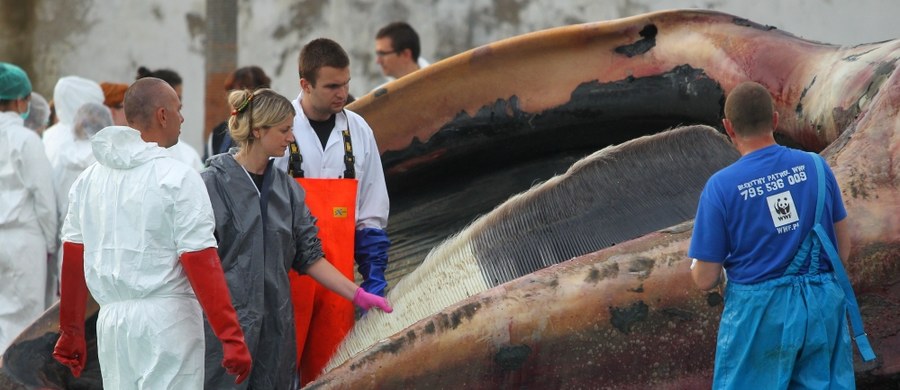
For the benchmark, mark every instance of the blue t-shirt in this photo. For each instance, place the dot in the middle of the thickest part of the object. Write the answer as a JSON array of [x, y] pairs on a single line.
[[754, 214]]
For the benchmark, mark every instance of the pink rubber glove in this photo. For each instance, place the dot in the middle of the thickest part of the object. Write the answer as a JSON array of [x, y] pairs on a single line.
[[366, 301]]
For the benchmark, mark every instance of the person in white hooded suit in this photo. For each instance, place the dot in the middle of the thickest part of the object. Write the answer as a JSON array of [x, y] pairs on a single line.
[[139, 236], [62, 149], [69, 94], [28, 222], [90, 118]]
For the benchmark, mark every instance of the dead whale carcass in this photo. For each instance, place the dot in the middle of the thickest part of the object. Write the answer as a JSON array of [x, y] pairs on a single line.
[[821, 91], [616, 194], [533, 104], [629, 317]]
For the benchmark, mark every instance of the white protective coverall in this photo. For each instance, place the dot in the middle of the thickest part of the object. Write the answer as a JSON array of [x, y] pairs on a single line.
[[66, 168], [28, 226], [90, 118], [184, 152], [136, 212], [77, 157], [69, 94]]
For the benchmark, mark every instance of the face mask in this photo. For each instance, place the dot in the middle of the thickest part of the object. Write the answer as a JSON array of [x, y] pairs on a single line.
[[24, 115]]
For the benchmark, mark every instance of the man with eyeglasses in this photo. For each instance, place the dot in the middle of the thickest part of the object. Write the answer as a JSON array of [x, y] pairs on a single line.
[[397, 51]]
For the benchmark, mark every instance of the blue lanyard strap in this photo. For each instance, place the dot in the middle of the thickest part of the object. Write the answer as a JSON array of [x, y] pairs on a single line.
[[860, 336]]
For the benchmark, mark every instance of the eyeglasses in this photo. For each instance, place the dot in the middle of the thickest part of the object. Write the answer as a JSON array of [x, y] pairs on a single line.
[[384, 53]]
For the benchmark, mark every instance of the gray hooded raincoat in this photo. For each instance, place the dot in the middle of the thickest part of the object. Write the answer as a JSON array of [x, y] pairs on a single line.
[[262, 234]]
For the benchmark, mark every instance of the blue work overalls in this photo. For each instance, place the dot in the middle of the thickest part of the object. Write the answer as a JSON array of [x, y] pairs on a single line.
[[792, 331]]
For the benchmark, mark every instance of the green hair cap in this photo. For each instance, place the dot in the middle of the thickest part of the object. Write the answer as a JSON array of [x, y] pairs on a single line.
[[14, 83]]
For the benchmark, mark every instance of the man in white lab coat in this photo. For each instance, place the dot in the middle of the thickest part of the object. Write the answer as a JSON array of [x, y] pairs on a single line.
[[336, 160]]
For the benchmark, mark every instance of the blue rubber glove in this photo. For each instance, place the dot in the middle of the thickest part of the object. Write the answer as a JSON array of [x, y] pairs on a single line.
[[371, 252]]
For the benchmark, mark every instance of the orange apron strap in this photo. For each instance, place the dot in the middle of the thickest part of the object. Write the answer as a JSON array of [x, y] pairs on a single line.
[[322, 318]]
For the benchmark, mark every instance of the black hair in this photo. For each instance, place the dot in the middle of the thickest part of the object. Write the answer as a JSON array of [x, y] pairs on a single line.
[[402, 37], [169, 76]]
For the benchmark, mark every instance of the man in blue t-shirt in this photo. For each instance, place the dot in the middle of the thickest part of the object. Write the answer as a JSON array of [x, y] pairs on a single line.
[[784, 324]]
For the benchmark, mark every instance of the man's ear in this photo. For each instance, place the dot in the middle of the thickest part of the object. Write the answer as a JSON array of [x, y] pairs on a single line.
[[729, 128], [160, 114], [305, 86]]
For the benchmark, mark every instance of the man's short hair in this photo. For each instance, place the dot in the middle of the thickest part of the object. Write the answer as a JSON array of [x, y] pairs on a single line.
[[750, 109], [319, 53], [142, 99], [402, 37]]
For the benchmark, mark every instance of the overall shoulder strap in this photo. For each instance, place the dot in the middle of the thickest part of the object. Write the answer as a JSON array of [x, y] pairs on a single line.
[[810, 248], [349, 160], [295, 161], [859, 334]]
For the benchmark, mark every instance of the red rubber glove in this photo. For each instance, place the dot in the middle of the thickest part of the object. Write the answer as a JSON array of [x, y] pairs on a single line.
[[71, 349], [366, 301], [204, 271]]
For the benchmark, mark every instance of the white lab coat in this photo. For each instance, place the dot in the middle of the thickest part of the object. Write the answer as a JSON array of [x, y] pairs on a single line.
[[28, 226], [69, 94], [372, 204], [136, 211], [186, 154]]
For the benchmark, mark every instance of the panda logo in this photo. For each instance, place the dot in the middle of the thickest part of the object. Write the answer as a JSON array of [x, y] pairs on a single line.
[[782, 206], [782, 209]]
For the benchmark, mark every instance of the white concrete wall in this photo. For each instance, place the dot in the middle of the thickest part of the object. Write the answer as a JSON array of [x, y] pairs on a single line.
[[109, 39]]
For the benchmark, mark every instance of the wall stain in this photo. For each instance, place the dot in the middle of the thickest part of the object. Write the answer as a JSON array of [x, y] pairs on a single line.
[[196, 27], [157, 13], [60, 27], [196, 24], [508, 11], [302, 16]]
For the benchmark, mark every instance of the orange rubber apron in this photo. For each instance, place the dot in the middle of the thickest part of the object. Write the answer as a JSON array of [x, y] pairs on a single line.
[[321, 317]]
